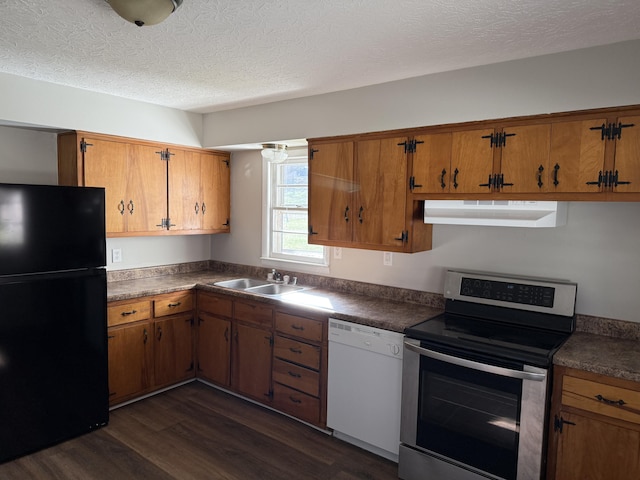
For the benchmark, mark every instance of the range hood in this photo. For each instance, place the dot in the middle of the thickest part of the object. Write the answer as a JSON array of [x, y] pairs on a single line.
[[499, 213]]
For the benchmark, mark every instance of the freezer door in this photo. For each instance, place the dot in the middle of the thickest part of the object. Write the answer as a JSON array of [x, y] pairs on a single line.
[[45, 228]]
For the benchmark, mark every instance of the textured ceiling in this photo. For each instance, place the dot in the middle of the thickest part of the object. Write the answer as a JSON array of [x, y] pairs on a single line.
[[215, 55]]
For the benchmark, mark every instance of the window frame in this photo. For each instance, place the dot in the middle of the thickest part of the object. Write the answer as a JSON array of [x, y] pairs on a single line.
[[269, 255]]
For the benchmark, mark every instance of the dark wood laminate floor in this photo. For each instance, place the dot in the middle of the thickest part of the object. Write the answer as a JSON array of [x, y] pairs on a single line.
[[195, 432]]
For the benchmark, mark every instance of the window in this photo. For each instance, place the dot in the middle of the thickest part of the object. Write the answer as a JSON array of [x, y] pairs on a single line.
[[285, 233]]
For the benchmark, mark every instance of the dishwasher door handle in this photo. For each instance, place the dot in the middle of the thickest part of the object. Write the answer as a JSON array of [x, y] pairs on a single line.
[[482, 367]]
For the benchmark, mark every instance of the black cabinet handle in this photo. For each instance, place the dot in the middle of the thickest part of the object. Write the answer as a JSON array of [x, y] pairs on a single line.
[[121, 207], [442, 174], [226, 334], [540, 170], [125, 314], [555, 174], [159, 333], [204, 209], [455, 178], [197, 208], [346, 213], [360, 219], [610, 402], [130, 207]]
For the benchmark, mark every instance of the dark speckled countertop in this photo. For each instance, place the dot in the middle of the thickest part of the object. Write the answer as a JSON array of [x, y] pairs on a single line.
[[354, 306], [599, 345]]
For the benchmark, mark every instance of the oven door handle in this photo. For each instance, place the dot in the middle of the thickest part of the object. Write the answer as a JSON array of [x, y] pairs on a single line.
[[483, 367]]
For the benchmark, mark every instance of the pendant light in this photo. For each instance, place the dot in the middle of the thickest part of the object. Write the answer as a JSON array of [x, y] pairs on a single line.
[[274, 152], [144, 12]]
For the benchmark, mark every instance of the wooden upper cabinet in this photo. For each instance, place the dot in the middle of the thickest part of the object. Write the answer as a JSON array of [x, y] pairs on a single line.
[[471, 161], [150, 189], [198, 191], [146, 185], [431, 170], [524, 159], [380, 200], [331, 189], [106, 165], [627, 157], [577, 156]]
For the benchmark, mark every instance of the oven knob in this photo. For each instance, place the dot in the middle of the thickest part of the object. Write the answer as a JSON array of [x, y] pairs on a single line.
[[395, 348]]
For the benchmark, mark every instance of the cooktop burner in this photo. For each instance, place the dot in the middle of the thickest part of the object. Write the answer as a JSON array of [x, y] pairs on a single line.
[[513, 318]]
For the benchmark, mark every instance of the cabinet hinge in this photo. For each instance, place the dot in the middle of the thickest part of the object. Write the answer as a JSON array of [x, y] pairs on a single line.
[[227, 223], [269, 394], [312, 151], [404, 236], [415, 143], [84, 145], [311, 232], [190, 369], [559, 422], [165, 154], [166, 223], [226, 162]]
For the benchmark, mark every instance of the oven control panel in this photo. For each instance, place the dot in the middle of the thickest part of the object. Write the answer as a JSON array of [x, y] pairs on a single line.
[[508, 291], [550, 296]]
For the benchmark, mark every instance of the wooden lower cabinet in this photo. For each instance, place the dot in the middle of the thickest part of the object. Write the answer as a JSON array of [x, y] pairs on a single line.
[[277, 357], [252, 362], [151, 344], [594, 427]]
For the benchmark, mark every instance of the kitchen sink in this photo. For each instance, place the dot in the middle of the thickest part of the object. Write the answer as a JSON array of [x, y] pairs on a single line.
[[242, 283], [274, 289], [259, 287]]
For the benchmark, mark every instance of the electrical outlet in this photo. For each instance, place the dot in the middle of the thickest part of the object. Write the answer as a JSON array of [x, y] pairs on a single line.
[[337, 253], [387, 259], [116, 255]]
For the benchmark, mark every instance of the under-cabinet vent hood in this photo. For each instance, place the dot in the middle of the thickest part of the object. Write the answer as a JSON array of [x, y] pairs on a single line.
[[499, 213]]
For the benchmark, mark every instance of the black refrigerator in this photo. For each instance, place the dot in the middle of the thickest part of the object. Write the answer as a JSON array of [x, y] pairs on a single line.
[[53, 329]]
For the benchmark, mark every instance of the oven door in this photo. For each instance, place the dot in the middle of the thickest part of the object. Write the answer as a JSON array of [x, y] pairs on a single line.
[[466, 418]]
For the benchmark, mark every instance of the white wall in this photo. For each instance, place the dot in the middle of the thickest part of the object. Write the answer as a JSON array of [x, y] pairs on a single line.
[[581, 79], [45, 104]]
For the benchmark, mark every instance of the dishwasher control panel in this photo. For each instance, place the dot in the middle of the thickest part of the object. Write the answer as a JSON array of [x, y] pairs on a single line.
[[376, 340]]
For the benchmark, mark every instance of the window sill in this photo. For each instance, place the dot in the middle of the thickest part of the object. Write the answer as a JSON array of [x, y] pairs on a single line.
[[299, 266]]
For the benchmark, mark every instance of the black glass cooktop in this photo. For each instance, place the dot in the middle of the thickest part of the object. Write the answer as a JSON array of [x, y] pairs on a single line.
[[487, 338]]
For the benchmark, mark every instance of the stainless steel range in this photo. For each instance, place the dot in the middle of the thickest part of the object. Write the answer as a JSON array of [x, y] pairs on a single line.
[[475, 380]]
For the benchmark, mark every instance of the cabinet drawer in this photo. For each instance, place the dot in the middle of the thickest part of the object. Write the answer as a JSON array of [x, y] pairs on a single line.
[[297, 352], [615, 402], [128, 312], [215, 305], [254, 313], [299, 326], [296, 377], [174, 303], [295, 403]]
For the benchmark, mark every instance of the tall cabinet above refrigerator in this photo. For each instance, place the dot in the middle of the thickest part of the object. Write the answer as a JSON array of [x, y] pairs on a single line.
[[53, 337]]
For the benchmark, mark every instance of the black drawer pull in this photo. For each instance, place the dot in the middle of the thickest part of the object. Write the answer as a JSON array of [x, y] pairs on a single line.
[[296, 327], [124, 314], [295, 350], [294, 400], [294, 375], [177, 304], [610, 402]]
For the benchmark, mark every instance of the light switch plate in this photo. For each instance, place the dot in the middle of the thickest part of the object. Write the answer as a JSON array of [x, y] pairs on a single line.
[[337, 253], [116, 255], [387, 259]]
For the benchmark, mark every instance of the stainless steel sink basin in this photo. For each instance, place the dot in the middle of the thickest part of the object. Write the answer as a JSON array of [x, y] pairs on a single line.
[[258, 287], [274, 289], [241, 283]]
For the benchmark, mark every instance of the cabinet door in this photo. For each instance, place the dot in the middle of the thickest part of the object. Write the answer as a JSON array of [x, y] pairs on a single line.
[[130, 360], [214, 349], [472, 156], [331, 190], [105, 165], [174, 349], [146, 189], [595, 450], [627, 160], [432, 164], [215, 187], [381, 174], [252, 362], [525, 159], [185, 194], [577, 156]]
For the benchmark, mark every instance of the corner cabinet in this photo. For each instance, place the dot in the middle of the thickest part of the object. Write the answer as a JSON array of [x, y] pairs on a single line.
[[358, 196], [150, 344], [150, 189], [594, 430]]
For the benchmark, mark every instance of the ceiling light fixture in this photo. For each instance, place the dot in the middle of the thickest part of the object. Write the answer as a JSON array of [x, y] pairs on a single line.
[[144, 12], [274, 152]]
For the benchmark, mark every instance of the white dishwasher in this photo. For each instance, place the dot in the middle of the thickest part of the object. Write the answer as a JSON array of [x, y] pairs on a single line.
[[364, 386]]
